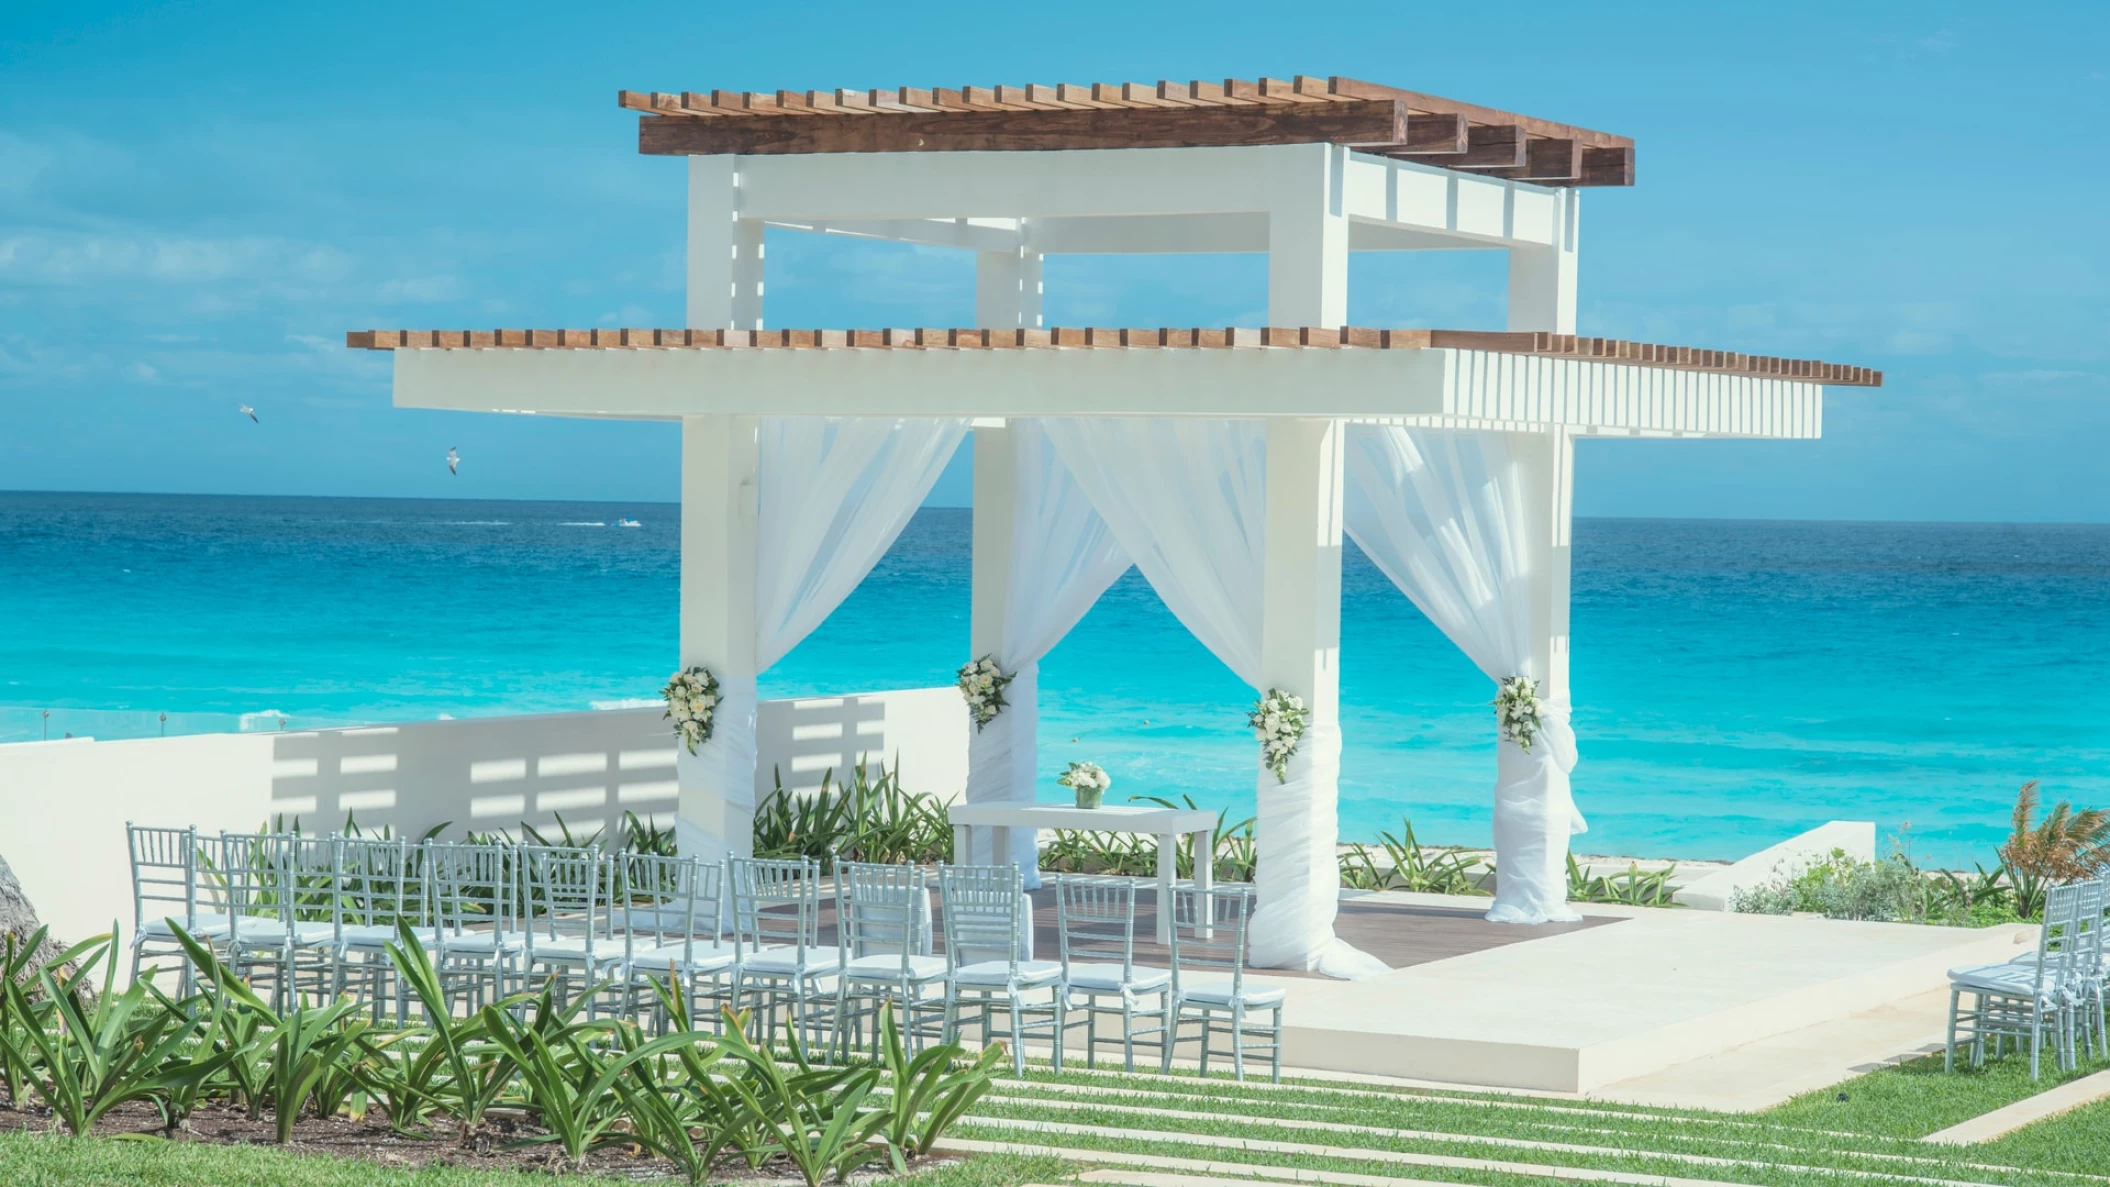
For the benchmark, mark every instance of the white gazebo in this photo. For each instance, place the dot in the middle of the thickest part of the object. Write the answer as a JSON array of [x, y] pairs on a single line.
[[1225, 463]]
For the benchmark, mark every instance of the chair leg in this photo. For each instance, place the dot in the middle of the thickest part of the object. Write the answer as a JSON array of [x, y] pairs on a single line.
[[1018, 1043]]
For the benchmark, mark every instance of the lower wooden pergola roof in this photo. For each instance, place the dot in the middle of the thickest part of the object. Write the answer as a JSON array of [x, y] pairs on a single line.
[[1565, 346], [1372, 117]]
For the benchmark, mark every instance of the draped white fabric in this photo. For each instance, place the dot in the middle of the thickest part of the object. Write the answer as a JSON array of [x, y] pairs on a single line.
[[833, 494], [1187, 498], [1062, 558], [1441, 514]]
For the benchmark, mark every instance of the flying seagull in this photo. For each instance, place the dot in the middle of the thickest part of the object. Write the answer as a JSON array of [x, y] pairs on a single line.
[[454, 461], [250, 413]]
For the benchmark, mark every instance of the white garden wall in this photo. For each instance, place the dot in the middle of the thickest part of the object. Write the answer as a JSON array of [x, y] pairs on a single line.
[[64, 804]]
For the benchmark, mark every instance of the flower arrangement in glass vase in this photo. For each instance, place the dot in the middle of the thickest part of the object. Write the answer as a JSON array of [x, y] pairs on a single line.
[[1517, 710], [1278, 719], [982, 684], [1088, 780], [692, 704]]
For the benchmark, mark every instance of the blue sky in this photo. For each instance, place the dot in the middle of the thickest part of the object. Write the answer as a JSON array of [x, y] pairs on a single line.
[[196, 201]]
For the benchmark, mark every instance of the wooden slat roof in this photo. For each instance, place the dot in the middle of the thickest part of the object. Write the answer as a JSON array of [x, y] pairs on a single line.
[[1372, 117], [1567, 346]]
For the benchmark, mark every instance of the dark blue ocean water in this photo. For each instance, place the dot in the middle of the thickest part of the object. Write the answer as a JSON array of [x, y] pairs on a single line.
[[1734, 681]]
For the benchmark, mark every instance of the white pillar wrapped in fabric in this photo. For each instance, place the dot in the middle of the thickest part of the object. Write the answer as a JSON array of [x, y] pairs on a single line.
[[1472, 527], [719, 462], [1298, 819], [796, 512], [1056, 556], [1190, 501]]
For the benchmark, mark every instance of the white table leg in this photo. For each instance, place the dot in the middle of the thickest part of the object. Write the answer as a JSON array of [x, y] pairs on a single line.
[[1168, 872], [961, 835]]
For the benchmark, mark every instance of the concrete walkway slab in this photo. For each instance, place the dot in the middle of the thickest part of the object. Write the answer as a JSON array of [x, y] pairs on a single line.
[[2028, 1111]]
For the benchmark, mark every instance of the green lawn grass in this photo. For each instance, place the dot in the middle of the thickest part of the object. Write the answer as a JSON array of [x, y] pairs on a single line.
[[47, 1160], [1912, 1100]]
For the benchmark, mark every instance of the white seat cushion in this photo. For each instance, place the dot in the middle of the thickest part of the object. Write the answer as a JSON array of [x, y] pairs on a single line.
[[1032, 974], [571, 951], [204, 927], [270, 933], [887, 967], [784, 962], [1218, 993], [701, 958], [1107, 977], [2012, 980], [375, 937], [482, 943]]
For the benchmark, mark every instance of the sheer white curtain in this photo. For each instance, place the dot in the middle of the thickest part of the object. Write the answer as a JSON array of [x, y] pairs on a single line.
[[1187, 497], [1440, 513], [832, 495], [1062, 558]]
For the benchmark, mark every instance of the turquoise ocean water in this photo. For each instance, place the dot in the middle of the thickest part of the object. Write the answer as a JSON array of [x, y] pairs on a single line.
[[1735, 682]]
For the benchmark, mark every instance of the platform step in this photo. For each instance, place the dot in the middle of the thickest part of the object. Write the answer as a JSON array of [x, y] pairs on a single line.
[[1764, 1073]]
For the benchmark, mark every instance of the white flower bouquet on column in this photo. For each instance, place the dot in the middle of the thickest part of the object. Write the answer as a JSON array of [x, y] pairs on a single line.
[[692, 702], [982, 684], [1517, 710], [1278, 720], [1088, 780]]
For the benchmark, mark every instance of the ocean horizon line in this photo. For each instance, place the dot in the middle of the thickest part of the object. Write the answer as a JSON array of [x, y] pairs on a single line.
[[670, 503]]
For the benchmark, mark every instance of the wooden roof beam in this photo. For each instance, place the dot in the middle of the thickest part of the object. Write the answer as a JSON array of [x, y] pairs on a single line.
[[1355, 122]]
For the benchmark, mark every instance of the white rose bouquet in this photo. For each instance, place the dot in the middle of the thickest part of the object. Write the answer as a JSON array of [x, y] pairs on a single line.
[[692, 702], [1278, 719], [1517, 710], [982, 683], [1088, 780]]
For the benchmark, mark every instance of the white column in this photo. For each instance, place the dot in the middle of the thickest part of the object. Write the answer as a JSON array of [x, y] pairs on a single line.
[[719, 517], [725, 250], [1538, 836], [719, 456], [1542, 279], [1300, 640], [1307, 236], [1300, 651], [1002, 756]]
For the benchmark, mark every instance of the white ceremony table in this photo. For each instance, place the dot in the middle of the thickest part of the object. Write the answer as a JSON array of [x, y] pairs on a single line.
[[1168, 825]]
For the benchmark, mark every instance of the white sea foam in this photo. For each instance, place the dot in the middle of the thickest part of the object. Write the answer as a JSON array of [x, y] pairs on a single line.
[[627, 703], [477, 523], [581, 525], [267, 720]]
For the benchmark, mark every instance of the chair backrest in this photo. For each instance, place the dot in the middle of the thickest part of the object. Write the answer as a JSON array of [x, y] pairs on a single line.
[[2061, 939], [1095, 918], [475, 886], [775, 903], [568, 897], [2091, 917], [666, 902], [1209, 931], [982, 906], [378, 884], [254, 873], [314, 879], [877, 910], [164, 874]]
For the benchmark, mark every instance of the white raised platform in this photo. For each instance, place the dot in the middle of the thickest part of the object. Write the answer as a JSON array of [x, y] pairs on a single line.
[[1623, 1004]]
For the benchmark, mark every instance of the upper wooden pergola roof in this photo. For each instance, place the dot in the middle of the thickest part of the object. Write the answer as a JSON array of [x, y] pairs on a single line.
[[1378, 119], [1568, 346]]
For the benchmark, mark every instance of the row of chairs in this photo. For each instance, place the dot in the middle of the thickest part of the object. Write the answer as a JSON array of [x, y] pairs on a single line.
[[304, 915], [2056, 993]]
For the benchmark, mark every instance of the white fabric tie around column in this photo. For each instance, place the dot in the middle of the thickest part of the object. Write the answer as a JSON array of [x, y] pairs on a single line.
[[833, 494], [1063, 557], [1187, 498], [1441, 513]]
